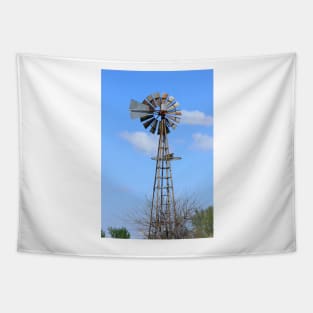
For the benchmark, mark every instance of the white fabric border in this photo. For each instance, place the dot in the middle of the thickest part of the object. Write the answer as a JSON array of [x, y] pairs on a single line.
[[60, 156]]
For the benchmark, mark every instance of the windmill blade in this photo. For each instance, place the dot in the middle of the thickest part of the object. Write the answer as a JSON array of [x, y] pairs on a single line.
[[173, 106], [148, 123], [170, 100], [154, 126], [175, 119], [164, 102], [146, 117], [138, 113], [156, 98], [170, 123], [175, 113], [136, 105], [138, 109], [164, 97], [151, 100], [156, 95], [147, 102]]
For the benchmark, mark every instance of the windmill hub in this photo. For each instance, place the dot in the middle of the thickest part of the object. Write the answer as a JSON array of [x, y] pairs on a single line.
[[159, 113]]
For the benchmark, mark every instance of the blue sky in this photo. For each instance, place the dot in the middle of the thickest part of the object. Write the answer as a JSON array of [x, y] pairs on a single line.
[[127, 169]]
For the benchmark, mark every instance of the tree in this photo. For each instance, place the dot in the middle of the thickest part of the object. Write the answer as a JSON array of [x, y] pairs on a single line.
[[182, 228], [102, 233], [202, 223], [119, 232]]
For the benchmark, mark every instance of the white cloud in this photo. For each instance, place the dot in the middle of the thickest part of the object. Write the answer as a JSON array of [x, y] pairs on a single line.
[[202, 142], [196, 118], [142, 141]]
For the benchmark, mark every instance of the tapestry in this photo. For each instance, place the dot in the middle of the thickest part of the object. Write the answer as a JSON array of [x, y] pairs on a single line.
[[181, 158]]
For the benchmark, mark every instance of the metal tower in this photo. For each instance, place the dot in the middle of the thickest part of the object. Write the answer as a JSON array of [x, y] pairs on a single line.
[[161, 114]]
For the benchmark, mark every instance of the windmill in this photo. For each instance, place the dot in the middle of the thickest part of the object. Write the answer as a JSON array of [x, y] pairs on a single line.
[[160, 114]]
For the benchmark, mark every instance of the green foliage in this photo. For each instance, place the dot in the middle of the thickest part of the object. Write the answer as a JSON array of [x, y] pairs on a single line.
[[102, 233], [191, 221], [202, 222], [119, 232]]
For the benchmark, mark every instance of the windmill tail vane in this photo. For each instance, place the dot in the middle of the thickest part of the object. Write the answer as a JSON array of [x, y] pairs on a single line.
[[160, 114]]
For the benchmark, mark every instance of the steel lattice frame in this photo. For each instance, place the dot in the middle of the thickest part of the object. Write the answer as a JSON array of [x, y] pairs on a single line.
[[163, 211]]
